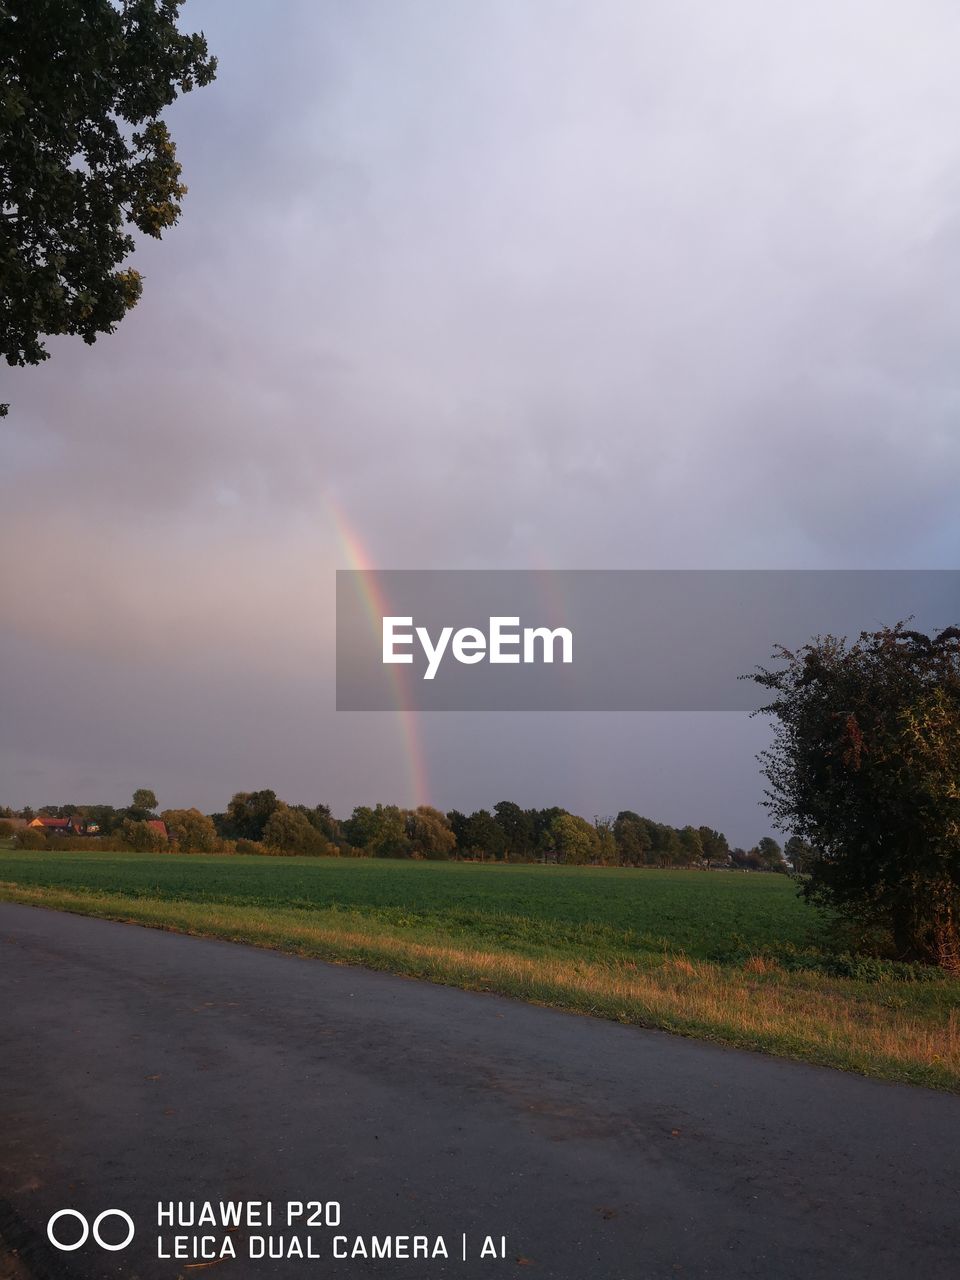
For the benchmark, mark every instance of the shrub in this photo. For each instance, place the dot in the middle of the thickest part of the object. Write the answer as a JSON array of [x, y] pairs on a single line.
[[140, 836], [290, 831], [31, 838], [191, 831]]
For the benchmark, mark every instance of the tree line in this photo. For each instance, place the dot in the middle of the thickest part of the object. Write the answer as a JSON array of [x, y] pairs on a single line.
[[260, 822]]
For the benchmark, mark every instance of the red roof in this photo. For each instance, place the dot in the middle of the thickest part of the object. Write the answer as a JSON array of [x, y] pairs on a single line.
[[157, 824], [54, 822]]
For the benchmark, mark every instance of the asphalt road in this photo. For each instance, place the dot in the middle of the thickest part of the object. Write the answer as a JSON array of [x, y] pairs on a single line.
[[140, 1067]]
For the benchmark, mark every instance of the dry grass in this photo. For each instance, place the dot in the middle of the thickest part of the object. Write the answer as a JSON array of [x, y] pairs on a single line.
[[872, 1028], [760, 964]]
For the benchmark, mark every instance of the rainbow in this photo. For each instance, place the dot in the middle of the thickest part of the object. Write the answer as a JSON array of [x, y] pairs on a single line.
[[377, 606]]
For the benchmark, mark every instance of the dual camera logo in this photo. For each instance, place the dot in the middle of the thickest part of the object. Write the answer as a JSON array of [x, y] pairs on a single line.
[[86, 1230]]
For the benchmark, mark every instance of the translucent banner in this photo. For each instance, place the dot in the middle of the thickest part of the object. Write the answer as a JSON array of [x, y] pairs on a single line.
[[602, 640]]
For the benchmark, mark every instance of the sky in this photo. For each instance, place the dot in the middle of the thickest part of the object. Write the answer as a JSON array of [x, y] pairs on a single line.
[[505, 285]]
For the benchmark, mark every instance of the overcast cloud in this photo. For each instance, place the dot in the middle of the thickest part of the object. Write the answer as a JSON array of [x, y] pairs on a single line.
[[521, 283]]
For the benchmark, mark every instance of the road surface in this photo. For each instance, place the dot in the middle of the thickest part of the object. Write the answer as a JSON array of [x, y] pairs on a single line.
[[140, 1068]]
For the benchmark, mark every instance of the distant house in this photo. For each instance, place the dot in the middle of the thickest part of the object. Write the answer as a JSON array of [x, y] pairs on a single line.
[[158, 825], [60, 826], [72, 826]]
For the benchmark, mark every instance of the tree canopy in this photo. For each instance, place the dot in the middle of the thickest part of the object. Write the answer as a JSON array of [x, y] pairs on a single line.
[[84, 158], [865, 771], [145, 799], [190, 829]]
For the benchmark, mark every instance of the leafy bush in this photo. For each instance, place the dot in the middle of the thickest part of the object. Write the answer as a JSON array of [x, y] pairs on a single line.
[[842, 964], [31, 838], [139, 835]]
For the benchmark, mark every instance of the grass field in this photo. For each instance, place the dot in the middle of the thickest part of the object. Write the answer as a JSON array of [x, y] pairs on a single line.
[[731, 957]]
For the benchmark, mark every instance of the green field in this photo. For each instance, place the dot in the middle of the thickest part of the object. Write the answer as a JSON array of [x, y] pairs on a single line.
[[601, 912], [729, 956]]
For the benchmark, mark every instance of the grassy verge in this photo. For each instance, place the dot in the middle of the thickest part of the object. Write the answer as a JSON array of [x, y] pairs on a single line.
[[892, 1029]]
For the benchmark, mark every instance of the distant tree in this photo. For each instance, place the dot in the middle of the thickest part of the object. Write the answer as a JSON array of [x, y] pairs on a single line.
[[799, 854], [361, 827], [483, 835], [379, 832], [633, 838], [191, 831], [575, 840], [222, 824], [248, 813], [84, 155], [716, 851], [103, 816], [390, 840], [6, 829], [746, 859], [864, 768], [292, 832], [144, 805], [457, 822], [690, 851], [541, 821], [27, 813], [770, 854], [322, 820], [666, 850], [607, 853], [518, 827], [139, 835], [429, 833]]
